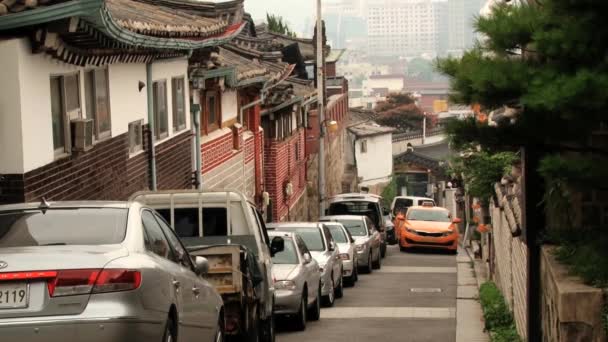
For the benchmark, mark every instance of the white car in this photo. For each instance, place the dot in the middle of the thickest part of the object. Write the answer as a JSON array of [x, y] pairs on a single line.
[[297, 281], [348, 254], [402, 203]]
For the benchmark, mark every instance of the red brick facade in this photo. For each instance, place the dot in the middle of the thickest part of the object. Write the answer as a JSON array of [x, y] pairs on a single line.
[[105, 172], [285, 162]]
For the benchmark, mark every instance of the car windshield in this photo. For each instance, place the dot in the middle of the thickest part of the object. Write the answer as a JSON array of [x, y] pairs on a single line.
[[288, 256], [73, 226], [311, 236], [355, 227], [337, 233], [428, 215], [358, 208]]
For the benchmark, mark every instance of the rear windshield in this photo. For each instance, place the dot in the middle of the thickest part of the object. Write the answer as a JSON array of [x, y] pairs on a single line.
[[288, 256], [311, 236], [355, 227], [56, 227], [186, 221], [357, 208], [337, 233], [428, 215]]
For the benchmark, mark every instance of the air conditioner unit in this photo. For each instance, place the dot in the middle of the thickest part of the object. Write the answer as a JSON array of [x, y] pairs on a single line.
[[82, 134]]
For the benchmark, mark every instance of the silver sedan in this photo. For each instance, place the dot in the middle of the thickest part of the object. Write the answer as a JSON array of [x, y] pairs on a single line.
[[368, 241], [297, 281], [100, 272], [348, 253]]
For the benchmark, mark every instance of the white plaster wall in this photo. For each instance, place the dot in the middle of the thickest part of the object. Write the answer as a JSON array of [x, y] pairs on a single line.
[[11, 137], [165, 70], [393, 84], [127, 103], [377, 163], [230, 107]]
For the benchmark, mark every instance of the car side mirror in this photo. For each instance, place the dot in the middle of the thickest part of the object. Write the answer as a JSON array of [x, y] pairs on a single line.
[[307, 258], [201, 265], [457, 220], [277, 245]]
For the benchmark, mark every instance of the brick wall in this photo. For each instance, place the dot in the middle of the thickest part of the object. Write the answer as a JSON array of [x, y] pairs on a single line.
[[106, 172], [510, 268], [281, 166]]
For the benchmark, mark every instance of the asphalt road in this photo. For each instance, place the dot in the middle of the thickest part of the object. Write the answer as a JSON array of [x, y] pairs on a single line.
[[412, 298]]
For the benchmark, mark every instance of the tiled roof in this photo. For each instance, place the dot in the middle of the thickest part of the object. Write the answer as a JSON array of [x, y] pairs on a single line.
[[370, 129], [245, 68]]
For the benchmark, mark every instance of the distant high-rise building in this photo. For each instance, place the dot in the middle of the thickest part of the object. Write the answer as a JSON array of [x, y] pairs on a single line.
[[345, 23], [461, 19], [407, 27]]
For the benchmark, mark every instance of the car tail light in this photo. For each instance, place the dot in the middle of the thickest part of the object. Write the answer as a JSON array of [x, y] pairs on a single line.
[[78, 282]]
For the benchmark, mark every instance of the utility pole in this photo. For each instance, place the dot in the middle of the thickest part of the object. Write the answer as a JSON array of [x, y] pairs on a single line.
[[321, 111]]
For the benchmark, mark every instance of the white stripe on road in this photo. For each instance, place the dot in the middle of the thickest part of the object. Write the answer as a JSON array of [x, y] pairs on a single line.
[[388, 312], [413, 269]]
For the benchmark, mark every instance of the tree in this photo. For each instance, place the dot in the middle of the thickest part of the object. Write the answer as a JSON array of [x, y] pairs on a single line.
[[545, 64], [278, 25], [400, 111]]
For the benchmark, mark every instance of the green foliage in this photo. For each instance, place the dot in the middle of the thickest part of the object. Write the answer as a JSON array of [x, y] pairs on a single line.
[[498, 319], [389, 193], [277, 24], [481, 170], [585, 252]]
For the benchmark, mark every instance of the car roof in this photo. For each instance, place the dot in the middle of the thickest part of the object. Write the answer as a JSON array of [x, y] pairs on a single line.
[[415, 198], [355, 197], [343, 217], [67, 204], [279, 225], [281, 234], [428, 208]]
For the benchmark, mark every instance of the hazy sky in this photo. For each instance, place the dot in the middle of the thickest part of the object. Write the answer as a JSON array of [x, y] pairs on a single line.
[[296, 12]]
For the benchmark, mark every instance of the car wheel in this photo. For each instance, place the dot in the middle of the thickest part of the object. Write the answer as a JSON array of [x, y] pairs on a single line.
[[403, 249], [356, 271], [170, 334], [219, 336], [268, 332], [330, 299], [340, 288], [314, 313], [368, 268], [253, 335], [300, 318], [378, 263], [383, 250]]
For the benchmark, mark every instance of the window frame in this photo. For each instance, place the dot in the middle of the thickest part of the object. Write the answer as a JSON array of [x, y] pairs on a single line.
[[170, 254], [363, 146], [158, 135], [174, 98], [217, 124], [166, 228], [91, 103], [66, 116]]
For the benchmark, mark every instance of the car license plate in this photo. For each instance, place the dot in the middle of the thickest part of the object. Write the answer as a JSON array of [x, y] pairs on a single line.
[[14, 295]]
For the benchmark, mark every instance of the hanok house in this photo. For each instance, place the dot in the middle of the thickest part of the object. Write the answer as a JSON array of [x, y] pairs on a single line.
[[95, 99]]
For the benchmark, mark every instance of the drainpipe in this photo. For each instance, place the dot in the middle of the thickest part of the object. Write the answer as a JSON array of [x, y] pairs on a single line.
[[150, 94], [196, 122]]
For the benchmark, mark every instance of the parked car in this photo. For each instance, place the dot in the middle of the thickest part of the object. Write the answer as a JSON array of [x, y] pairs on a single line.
[[100, 271], [224, 225], [348, 254], [325, 251], [367, 239], [429, 227], [391, 238], [362, 204], [402, 203], [297, 281]]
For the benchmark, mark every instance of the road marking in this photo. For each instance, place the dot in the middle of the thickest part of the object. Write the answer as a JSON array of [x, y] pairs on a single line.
[[388, 312], [413, 269], [426, 290]]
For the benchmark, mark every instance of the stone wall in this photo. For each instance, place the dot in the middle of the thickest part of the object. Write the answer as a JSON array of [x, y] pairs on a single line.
[[510, 267], [571, 311]]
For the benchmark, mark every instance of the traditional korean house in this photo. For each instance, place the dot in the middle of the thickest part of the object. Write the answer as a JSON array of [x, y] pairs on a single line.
[[94, 101]]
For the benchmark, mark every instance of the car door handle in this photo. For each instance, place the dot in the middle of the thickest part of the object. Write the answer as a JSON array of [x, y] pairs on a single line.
[[196, 290], [176, 283]]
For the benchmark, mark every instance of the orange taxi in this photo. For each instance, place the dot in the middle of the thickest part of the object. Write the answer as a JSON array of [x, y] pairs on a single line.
[[427, 227]]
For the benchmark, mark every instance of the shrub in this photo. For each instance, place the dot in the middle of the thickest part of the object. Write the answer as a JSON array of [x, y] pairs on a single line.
[[498, 319]]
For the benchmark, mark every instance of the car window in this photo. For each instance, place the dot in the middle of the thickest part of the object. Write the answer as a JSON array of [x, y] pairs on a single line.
[[370, 225], [428, 215], [187, 219], [154, 238], [401, 204], [302, 246], [65, 226], [328, 238], [262, 226], [355, 227], [312, 237], [288, 256], [338, 234], [175, 243], [358, 208]]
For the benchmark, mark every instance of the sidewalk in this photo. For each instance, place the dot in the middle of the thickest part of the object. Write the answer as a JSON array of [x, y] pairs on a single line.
[[469, 317]]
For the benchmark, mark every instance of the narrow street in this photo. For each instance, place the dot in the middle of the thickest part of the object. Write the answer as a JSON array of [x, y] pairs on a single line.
[[412, 298]]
